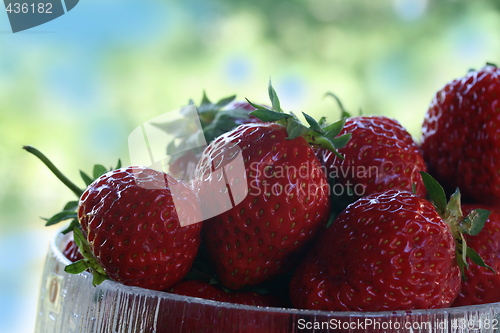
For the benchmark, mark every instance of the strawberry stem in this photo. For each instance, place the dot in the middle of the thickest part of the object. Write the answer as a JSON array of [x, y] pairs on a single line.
[[75, 189], [343, 112], [317, 134]]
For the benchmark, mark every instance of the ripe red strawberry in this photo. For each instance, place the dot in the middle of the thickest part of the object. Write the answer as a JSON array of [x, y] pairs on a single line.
[[137, 225], [481, 284], [259, 237], [261, 231], [386, 251], [205, 290], [134, 227], [380, 156], [460, 135]]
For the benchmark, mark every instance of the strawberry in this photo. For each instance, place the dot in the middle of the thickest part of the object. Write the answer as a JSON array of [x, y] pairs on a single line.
[[215, 119], [482, 285], [175, 316], [388, 251], [205, 290], [133, 222], [380, 156], [134, 225], [460, 135], [71, 250], [263, 214]]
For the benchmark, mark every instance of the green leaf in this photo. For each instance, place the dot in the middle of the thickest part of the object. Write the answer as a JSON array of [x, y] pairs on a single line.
[[334, 129], [99, 170], [256, 106], [224, 121], [341, 141], [119, 164], [224, 102], [72, 205], [172, 148], [77, 267], [82, 244], [331, 219], [62, 216], [453, 212], [78, 238], [322, 122], [74, 224], [313, 123], [295, 129], [178, 128], [476, 258], [435, 191], [463, 250], [273, 96], [81, 266], [232, 115], [98, 278], [473, 223], [99, 275], [86, 178], [323, 142], [269, 115], [460, 263], [205, 105]]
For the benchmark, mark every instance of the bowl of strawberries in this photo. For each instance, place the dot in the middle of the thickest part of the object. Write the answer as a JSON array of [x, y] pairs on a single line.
[[280, 225]]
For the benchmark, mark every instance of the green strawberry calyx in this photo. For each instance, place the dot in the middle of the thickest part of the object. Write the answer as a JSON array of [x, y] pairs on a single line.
[[318, 134], [451, 213], [215, 119], [88, 262]]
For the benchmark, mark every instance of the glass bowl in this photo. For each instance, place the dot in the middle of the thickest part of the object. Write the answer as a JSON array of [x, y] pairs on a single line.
[[69, 303]]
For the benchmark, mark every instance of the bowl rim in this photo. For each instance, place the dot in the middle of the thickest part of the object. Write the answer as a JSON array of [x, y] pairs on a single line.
[[56, 241]]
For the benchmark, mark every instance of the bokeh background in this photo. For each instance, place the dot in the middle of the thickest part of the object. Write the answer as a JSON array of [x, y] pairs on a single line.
[[77, 86]]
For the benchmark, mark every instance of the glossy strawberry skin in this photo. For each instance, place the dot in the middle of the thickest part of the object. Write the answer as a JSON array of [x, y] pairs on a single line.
[[204, 290], [380, 156], [133, 228], [461, 135], [481, 285], [264, 234], [387, 251]]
